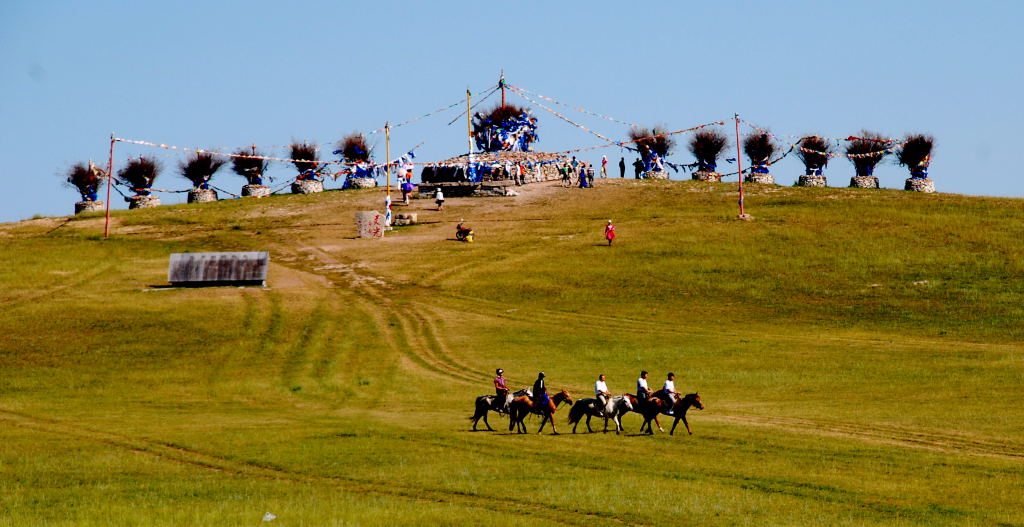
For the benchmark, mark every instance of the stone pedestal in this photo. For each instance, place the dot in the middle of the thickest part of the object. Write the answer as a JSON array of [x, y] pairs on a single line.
[[88, 206], [706, 176], [655, 174], [202, 195], [406, 218], [766, 179], [143, 202], [920, 185], [362, 182], [307, 186], [812, 181], [370, 224], [256, 191], [864, 182]]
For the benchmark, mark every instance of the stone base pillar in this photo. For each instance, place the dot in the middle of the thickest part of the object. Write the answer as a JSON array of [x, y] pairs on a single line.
[[363, 182], [406, 218], [920, 185], [202, 195], [88, 206], [655, 174], [766, 179], [812, 181], [143, 202], [706, 176], [370, 224], [307, 186], [864, 182], [256, 191]]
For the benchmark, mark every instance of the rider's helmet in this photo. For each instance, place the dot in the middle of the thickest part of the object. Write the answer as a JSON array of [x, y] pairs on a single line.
[[499, 371], [540, 375]]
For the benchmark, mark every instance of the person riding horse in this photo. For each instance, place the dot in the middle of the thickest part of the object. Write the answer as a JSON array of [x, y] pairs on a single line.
[[501, 398], [540, 391], [602, 394], [642, 391], [668, 392]]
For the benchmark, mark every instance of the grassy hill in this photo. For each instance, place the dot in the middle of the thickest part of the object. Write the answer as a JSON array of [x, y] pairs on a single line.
[[858, 352]]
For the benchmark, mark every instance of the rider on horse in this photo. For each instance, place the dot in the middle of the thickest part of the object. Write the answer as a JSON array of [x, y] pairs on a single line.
[[540, 391], [642, 391], [602, 394], [500, 391], [668, 392]]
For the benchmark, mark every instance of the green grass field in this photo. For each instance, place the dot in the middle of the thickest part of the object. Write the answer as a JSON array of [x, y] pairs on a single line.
[[858, 352]]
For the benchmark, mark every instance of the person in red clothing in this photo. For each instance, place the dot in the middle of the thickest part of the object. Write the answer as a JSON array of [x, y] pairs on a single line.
[[609, 232], [500, 391]]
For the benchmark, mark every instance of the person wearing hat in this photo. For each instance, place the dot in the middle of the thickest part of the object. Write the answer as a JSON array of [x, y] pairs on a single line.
[[642, 391], [609, 232], [540, 391], [500, 390]]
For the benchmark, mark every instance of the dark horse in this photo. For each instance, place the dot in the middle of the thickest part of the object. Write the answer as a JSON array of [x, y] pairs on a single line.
[[524, 406], [654, 406], [489, 403]]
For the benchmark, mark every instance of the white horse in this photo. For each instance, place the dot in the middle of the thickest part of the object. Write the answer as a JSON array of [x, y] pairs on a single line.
[[614, 410]]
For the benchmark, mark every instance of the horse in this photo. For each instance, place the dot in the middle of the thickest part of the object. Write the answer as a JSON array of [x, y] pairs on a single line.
[[523, 406], [654, 406], [486, 403], [614, 410]]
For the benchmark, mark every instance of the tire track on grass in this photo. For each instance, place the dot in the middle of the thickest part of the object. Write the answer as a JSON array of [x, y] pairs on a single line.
[[79, 279], [171, 452]]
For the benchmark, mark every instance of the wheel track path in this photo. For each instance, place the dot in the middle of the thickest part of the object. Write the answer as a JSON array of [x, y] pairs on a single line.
[[170, 452]]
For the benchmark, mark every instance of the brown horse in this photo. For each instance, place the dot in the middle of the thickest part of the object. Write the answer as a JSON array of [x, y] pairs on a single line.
[[654, 406], [490, 403], [524, 406]]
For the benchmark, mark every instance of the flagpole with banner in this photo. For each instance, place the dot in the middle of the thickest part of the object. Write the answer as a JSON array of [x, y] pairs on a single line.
[[387, 173]]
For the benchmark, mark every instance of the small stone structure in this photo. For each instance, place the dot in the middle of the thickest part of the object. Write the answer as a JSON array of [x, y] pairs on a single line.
[[88, 206], [864, 182], [920, 185], [370, 224], [706, 176], [307, 186], [143, 202], [256, 191], [812, 181], [212, 269], [202, 195], [406, 218], [764, 179], [655, 174], [362, 182]]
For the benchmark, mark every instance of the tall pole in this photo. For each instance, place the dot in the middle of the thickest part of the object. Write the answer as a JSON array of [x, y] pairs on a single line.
[[501, 84], [110, 182], [469, 126], [739, 163], [387, 155]]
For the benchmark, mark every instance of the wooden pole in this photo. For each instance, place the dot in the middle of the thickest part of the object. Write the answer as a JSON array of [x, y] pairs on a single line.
[[387, 155], [469, 126], [110, 182], [739, 163], [501, 84]]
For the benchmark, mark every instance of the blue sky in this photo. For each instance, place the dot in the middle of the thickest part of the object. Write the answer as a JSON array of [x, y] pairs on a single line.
[[228, 74]]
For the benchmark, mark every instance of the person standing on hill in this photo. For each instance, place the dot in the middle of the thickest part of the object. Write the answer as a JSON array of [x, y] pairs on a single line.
[[609, 232], [439, 198], [638, 167], [622, 167], [602, 394], [590, 174], [604, 166], [583, 177]]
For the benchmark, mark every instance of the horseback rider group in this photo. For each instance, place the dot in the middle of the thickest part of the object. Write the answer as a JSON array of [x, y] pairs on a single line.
[[667, 393]]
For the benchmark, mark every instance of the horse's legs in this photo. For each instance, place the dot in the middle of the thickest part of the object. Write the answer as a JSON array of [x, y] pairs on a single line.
[[543, 422], [674, 423], [660, 429], [605, 425], [591, 430], [489, 429], [554, 429], [685, 422]]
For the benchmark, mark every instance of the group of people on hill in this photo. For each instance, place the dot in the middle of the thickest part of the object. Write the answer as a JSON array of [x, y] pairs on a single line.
[[539, 394]]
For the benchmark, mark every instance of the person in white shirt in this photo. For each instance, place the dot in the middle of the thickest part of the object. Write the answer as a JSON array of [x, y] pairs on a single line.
[[642, 391], [602, 393], [669, 391]]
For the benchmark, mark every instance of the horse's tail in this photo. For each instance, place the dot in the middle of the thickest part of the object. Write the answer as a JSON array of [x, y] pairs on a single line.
[[575, 413]]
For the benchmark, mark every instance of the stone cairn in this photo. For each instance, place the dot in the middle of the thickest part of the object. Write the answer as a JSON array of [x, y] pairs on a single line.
[[707, 145], [759, 147], [814, 152], [306, 158], [88, 206], [865, 152], [143, 201], [249, 163], [139, 174], [199, 169], [202, 195], [916, 154], [653, 145]]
